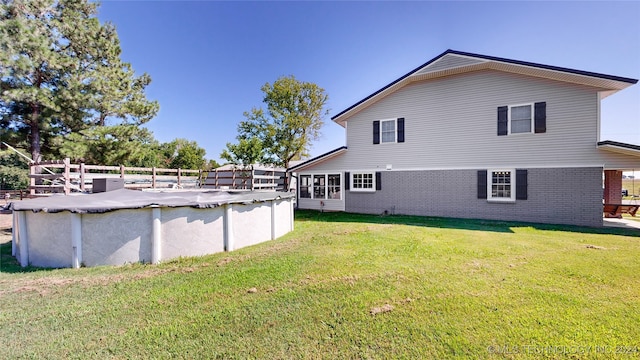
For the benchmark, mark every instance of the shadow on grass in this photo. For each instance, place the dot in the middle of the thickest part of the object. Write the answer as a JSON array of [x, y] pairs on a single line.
[[453, 223]]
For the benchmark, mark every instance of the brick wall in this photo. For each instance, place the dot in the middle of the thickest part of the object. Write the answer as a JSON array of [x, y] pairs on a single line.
[[556, 196], [612, 187]]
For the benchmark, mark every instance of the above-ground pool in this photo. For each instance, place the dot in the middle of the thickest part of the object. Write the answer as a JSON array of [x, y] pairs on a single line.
[[129, 226]]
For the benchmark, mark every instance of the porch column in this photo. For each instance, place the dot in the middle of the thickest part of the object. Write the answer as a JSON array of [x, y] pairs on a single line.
[[613, 187]]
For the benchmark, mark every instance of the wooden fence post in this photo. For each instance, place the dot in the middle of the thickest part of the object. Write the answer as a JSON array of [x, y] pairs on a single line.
[[178, 177], [153, 177], [32, 179], [67, 176], [253, 179], [82, 188], [233, 178]]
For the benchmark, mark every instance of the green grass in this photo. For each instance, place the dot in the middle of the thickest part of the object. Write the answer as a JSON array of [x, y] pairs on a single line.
[[634, 218], [454, 288], [632, 186]]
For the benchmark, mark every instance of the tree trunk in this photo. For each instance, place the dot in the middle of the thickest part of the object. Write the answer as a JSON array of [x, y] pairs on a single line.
[[286, 177], [35, 133]]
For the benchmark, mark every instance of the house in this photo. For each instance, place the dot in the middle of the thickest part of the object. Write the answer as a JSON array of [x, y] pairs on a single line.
[[474, 136]]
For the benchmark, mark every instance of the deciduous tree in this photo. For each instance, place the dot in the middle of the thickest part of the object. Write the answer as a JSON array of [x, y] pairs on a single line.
[[292, 120]]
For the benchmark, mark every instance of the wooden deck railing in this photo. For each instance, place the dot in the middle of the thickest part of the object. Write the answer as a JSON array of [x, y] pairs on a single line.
[[63, 176], [245, 179]]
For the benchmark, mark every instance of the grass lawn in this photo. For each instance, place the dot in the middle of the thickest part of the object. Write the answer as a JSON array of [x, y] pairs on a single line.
[[345, 286], [629, 217]]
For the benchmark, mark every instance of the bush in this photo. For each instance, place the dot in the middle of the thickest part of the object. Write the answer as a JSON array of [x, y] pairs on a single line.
[[13, 178]]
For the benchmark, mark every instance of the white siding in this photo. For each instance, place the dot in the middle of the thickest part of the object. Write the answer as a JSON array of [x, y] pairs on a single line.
[[451, 123], [316, 204], [449, 61]]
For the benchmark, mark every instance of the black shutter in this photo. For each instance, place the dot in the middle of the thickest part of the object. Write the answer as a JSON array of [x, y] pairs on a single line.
[[502, 120], [540, 117], [521, 184], [376, 132], [482, 184], [378, 180], [400, 130], [347, 180]]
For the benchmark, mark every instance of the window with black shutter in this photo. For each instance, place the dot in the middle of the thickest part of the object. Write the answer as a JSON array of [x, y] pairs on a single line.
[[503, 121], [376, 132], [482, 184], [522, 119], [400, 130], [540, 117], [521, 184]]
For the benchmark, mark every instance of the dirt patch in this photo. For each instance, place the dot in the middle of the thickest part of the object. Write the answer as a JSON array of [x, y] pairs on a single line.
[[381, 309], [377, 227], [596, 247], [43, 286], [6, 220]]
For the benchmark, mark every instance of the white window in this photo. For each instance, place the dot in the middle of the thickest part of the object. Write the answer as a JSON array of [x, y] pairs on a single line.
[[501, 185], [333, 186], [362, 182], [320, 186], [388, 131], [520, 118], [305, 184]]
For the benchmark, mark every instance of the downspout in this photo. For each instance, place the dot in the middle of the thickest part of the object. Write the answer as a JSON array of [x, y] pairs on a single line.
[[297, 193]]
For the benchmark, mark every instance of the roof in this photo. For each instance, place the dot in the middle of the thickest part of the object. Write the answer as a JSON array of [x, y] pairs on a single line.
[[253, 166], [134, 199], [618, 147], [325, 156], [453, 62]]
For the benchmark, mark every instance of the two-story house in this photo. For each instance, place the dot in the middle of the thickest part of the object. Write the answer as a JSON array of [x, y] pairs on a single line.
[[474, 136]]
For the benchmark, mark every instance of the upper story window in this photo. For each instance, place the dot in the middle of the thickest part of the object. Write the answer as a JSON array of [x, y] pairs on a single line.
[[520, 118], [388, 131]]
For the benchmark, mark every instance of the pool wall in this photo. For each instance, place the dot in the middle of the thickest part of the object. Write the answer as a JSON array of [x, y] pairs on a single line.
[[148, 235]]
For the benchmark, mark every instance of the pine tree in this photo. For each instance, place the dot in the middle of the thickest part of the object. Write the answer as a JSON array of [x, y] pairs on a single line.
[[61, 72]]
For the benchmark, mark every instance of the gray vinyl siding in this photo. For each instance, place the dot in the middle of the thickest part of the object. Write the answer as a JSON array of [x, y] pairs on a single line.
[[315, 204], [448, 62], [556, 196], [451, 122]]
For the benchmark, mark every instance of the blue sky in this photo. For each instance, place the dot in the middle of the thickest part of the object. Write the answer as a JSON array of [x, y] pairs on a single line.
[[208, 59]]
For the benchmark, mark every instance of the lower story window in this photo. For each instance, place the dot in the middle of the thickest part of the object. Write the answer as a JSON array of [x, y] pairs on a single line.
[[305, 184], [501, 185], [333, 186], [362, 182], [319, 183], [320, 186]]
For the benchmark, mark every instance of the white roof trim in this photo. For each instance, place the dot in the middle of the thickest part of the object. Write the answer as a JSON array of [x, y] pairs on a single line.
[[619, 149], [607, 85]]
